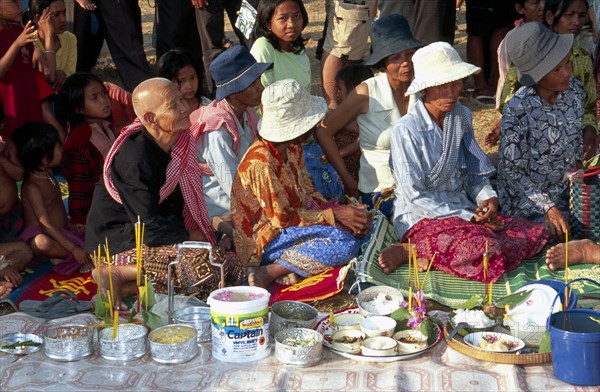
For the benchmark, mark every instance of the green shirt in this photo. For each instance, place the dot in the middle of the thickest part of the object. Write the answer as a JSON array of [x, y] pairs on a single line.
[[286, 65]]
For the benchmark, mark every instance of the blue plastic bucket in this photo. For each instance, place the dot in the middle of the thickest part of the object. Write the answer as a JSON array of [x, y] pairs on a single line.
[[575, 343]]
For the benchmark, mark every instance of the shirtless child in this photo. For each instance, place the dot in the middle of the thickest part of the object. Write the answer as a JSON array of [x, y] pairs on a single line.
[[46, 230], [14, 254]]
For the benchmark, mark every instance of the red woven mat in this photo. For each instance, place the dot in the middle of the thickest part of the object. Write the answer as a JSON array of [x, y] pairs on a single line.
[[318, 287]]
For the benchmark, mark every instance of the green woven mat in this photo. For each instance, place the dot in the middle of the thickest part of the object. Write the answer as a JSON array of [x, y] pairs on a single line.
[[451, 291]]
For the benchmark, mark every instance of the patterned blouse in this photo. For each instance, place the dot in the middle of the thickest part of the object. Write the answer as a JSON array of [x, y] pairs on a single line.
[[269, 195], [582, 71], [539, 143]]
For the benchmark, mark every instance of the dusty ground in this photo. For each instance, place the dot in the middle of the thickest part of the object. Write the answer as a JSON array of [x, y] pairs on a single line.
[[482, 118]]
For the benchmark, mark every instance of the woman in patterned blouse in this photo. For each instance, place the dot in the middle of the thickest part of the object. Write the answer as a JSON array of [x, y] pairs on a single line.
[[541, 136], [283, 227]]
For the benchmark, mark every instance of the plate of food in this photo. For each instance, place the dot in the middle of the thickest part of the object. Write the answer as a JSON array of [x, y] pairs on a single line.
[[351, 351], [20, 343], [494, 342]]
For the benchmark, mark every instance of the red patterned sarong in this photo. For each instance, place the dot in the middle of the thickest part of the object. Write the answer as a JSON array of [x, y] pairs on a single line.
[[461, 244]]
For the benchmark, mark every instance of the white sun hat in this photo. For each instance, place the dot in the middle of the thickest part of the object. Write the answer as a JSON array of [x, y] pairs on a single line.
[[436, 64], [289, 111]]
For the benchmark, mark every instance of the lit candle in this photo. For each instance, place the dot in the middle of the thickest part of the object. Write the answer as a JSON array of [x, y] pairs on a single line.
[[491, 288], [115, 324]]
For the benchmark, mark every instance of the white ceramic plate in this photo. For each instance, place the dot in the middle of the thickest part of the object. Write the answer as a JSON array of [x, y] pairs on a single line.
[[539, 300], [324, 328], [474, 338]]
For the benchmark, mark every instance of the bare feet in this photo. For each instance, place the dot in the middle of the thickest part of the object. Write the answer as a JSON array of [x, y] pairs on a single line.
[[580, 252], [263, 276], [395, 255], [288, 280], [5, 289]]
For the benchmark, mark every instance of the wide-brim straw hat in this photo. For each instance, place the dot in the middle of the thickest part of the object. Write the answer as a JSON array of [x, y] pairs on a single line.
[[234, 70], [289, 111], [437, 64], [390, 35], [535, 51]]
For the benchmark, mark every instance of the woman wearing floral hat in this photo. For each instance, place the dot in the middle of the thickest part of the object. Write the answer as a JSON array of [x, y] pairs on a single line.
[[283, 227], [444, 204], [377, 104]]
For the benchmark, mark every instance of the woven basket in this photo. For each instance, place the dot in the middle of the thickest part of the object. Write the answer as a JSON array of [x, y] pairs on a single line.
[[514, 359], [585, 207]]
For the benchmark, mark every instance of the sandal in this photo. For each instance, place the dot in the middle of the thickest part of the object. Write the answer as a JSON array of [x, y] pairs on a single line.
[[63, 303], [485, 100]]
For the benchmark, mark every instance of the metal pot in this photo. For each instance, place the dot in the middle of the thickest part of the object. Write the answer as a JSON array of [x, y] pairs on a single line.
[[68, 342], [175, 343], [130, 343]]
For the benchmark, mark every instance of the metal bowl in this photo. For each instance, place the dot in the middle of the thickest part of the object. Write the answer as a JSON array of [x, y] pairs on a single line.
[[32, 343], [129, 344], [392, 297], [299, 346], [197, 317], [292, 314], [175, 343], [68, 342]]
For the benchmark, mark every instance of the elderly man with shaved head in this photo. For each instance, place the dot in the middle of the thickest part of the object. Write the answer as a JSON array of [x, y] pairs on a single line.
[[151, 175]]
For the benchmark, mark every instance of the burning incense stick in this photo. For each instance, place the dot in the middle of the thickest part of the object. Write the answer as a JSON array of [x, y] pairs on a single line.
[[566, 268], [427, 273], [110, 284], [485, 270]]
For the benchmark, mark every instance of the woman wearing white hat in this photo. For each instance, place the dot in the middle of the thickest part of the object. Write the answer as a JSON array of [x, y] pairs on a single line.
[[439, 171], [282, 226]]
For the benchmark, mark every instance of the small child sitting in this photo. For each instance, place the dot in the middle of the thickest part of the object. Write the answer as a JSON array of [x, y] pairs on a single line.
[[46, 230], [14, 254]]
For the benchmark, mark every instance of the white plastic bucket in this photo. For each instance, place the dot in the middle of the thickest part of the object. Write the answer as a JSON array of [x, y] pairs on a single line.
[[240, 323]]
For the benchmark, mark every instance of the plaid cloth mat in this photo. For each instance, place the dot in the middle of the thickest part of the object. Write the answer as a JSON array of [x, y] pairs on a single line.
[[451, 291]]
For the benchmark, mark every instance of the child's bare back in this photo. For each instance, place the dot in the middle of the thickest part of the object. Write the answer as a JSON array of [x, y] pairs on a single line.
[[42, 190]]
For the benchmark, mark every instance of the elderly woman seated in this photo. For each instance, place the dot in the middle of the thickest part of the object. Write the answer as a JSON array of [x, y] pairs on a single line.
[[281, 226], [445, 205], [541, 137], [151, 174]]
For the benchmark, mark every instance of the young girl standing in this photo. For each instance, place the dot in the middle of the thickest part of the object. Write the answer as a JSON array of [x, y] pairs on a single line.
[[88, 109], [279, 25], [177, 66]]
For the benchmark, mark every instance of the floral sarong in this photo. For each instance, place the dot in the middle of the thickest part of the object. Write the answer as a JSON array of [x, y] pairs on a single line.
[[310, 250], [460, 245]]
